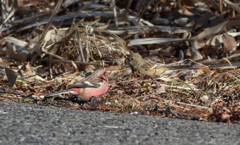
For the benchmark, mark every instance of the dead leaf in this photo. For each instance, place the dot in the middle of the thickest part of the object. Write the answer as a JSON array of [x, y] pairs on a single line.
[[16, 56], [11, 76], [28, 69], [113, 67], [229, 42]]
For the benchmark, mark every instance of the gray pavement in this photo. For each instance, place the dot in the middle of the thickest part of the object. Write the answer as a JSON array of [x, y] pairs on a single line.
[[34, 124]]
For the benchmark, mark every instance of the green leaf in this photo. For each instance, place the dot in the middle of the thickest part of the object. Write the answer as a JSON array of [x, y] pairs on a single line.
[[50, 99], [92, 99], [26, 99], [23, 83], [128, 105]]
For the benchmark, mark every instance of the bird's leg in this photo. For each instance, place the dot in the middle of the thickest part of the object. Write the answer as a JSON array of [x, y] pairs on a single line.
[[93, 101]]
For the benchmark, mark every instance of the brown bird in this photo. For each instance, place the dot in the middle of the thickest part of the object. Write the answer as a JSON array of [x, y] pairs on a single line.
[[137, 63]]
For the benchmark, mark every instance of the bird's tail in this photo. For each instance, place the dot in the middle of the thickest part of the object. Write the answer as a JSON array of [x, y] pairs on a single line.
[[59, 93]]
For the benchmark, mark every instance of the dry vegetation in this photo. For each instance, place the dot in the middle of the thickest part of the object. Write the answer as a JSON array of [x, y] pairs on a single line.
[[47, 45]]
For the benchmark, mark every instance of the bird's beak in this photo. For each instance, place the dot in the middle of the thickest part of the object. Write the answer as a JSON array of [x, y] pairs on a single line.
[[104, 76], [127, 60]]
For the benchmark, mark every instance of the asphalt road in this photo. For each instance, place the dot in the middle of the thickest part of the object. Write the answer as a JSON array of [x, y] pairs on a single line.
[[34, 124]]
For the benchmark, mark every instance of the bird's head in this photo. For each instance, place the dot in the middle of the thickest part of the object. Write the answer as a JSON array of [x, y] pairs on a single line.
[[135, 60], [102, 74]]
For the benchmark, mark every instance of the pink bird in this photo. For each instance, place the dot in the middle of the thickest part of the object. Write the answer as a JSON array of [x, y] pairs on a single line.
[[94, 85]]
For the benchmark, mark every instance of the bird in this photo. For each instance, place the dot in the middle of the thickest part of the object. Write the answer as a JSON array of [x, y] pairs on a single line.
[[149, 67], [94, 85]]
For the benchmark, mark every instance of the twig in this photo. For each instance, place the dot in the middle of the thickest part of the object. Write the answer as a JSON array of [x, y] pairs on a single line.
[[178, 87], [15, 93], [46, 29], [232, 5], [145, 7], [191, 105], [126, 10], [14, 9], [192, 117], [115, 13], [50, 21], [168, 109], [223, 59], [80, 46], [68, 61]]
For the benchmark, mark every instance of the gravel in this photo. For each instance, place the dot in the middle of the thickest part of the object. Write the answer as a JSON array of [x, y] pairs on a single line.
[[35, 124]]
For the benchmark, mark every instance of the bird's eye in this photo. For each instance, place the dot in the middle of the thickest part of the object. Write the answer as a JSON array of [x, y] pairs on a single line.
[[131, 58], [104, 74]]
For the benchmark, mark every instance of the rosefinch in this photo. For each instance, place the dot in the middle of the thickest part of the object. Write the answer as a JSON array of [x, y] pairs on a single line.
[[94, 85], [137, 63]]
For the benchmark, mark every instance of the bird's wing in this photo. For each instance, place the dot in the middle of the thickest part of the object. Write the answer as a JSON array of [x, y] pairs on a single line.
[[149, 65], [59, 93], [87, 84]]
